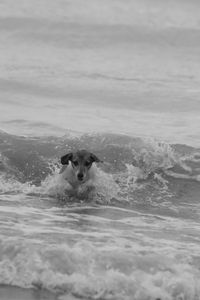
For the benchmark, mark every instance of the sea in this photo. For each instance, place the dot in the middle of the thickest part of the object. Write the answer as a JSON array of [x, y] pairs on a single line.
[[119, 78]]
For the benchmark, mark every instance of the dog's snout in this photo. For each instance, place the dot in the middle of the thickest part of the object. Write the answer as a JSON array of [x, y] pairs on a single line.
[[80, 176]]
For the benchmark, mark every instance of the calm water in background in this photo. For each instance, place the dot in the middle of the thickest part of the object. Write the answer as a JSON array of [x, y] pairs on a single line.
[[128, 68], [128, 71]]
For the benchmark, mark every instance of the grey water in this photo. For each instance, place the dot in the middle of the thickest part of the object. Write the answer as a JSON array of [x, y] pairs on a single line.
[[120, 78]]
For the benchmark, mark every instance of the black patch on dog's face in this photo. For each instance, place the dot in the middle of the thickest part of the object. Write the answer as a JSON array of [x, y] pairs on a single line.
[[94, 158], [81, 162], [65, 159], [80, 158]]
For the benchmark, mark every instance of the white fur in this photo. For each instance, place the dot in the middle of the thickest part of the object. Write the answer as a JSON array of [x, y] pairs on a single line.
[[68, 173]]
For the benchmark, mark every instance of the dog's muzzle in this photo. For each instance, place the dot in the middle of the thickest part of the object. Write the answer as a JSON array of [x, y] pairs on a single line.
[[80, 176]]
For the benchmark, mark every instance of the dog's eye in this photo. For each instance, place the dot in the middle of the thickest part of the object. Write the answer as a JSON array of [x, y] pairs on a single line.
[[87, 163], [75, 163]]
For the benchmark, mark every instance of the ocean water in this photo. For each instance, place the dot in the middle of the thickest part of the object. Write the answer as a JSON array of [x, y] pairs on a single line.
[[121, 79]]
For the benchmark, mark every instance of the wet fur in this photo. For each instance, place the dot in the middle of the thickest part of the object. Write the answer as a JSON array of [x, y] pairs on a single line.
[[85, 167]]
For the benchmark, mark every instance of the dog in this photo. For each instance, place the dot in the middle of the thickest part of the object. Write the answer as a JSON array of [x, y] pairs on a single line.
[[78, 168]]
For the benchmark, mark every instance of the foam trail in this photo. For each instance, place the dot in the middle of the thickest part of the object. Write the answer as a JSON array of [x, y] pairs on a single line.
[[86, 271]]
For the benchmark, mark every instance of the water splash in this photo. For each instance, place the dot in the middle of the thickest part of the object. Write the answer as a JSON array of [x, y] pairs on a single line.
[[134, 169], [89, 272]]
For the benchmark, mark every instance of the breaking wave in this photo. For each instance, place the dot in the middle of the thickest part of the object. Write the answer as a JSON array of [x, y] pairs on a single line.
[[132, 168], [89, 272], [136, 236]]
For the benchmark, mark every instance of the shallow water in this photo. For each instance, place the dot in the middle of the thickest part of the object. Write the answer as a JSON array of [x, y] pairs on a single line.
[[136, 237], [121, 80]]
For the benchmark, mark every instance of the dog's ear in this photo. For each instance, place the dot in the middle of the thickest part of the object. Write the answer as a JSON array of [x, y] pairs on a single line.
[[94, 158], [65, 159]]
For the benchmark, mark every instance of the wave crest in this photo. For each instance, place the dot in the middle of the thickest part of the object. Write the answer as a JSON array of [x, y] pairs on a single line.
[[133, 168]]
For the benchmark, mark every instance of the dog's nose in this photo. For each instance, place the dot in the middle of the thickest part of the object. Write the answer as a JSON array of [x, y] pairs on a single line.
[[80, 176]]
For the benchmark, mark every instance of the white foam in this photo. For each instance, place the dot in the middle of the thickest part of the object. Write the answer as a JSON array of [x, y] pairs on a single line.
[[88, 271], [12, 185], [104, 186]]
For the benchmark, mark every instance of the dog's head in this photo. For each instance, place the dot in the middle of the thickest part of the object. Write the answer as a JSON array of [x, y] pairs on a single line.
[[81, 162]]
